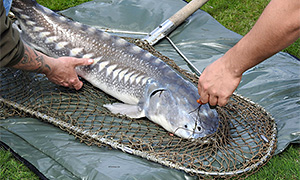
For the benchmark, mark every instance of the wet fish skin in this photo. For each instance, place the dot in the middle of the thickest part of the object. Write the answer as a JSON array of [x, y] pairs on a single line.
[[146, 85]]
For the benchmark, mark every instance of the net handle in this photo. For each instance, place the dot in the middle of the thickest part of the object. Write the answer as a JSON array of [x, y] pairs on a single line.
[[186, 11], [170, 24]]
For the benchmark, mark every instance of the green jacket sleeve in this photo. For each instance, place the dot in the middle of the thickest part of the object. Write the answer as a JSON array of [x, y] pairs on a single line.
[[11, 46]]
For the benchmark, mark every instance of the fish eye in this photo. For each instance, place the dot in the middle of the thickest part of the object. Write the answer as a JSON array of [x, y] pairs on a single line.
[[199, 128], [185, 126]]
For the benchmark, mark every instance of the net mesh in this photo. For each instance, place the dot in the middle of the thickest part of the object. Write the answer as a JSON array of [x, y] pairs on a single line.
[[244, 141]]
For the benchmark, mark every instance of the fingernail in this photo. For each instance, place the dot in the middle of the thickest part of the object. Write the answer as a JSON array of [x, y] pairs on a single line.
[[199, 101], [90, 60]]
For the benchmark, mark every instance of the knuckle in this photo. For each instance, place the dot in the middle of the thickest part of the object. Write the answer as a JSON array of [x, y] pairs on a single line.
[[214, 92], [204, 87], [73, 81]]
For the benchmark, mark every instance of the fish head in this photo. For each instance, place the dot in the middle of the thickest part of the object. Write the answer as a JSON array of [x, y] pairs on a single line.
[[181, 114]]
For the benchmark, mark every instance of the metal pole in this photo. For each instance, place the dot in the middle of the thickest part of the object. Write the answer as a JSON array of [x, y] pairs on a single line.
[[190, 64], [170, 24]]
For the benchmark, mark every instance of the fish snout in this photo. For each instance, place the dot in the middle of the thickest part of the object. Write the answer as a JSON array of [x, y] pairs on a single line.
[[207, 122]]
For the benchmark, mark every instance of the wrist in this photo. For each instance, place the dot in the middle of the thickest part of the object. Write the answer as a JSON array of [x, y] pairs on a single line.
[[232, 64], [242, 57], [46, 64]]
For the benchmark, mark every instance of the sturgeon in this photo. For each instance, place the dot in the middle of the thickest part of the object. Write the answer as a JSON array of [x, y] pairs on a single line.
[[145, 85]]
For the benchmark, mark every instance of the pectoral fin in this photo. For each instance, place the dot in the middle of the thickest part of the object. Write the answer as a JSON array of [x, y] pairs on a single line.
[[132, 111]]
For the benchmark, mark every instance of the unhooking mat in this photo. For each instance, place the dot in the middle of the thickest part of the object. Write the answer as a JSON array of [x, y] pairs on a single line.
[[274, 84]]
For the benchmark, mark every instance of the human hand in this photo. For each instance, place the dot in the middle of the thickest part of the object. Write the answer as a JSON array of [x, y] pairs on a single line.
[[62, 71], [217, 83]]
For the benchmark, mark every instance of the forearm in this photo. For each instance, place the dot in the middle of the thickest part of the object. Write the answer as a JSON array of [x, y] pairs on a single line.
[[34, 61], [277, 28], [61, 71]]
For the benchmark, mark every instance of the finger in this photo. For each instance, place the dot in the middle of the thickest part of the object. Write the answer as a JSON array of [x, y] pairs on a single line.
[[204, 97], [213, 100], [75, 83], [223, 101], [199, 101], [203, 94], [78, 85], [83, 61]]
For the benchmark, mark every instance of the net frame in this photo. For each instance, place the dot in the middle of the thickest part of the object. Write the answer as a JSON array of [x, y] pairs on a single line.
[[244, 141]]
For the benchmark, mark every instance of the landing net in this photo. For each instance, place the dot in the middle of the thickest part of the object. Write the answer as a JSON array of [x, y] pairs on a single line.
[[244, 141]]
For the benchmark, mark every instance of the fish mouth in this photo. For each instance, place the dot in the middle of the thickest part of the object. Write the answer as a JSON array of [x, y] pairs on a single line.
[[197, 132], [208, 126], [205, 133]]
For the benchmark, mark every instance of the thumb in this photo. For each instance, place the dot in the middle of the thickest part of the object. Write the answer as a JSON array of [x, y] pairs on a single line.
[[83, 61]]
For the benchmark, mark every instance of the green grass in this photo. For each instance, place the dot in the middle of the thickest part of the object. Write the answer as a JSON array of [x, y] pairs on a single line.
[[236, 15], [10, 168], [58, 5], [241, 15], [282, 166]]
